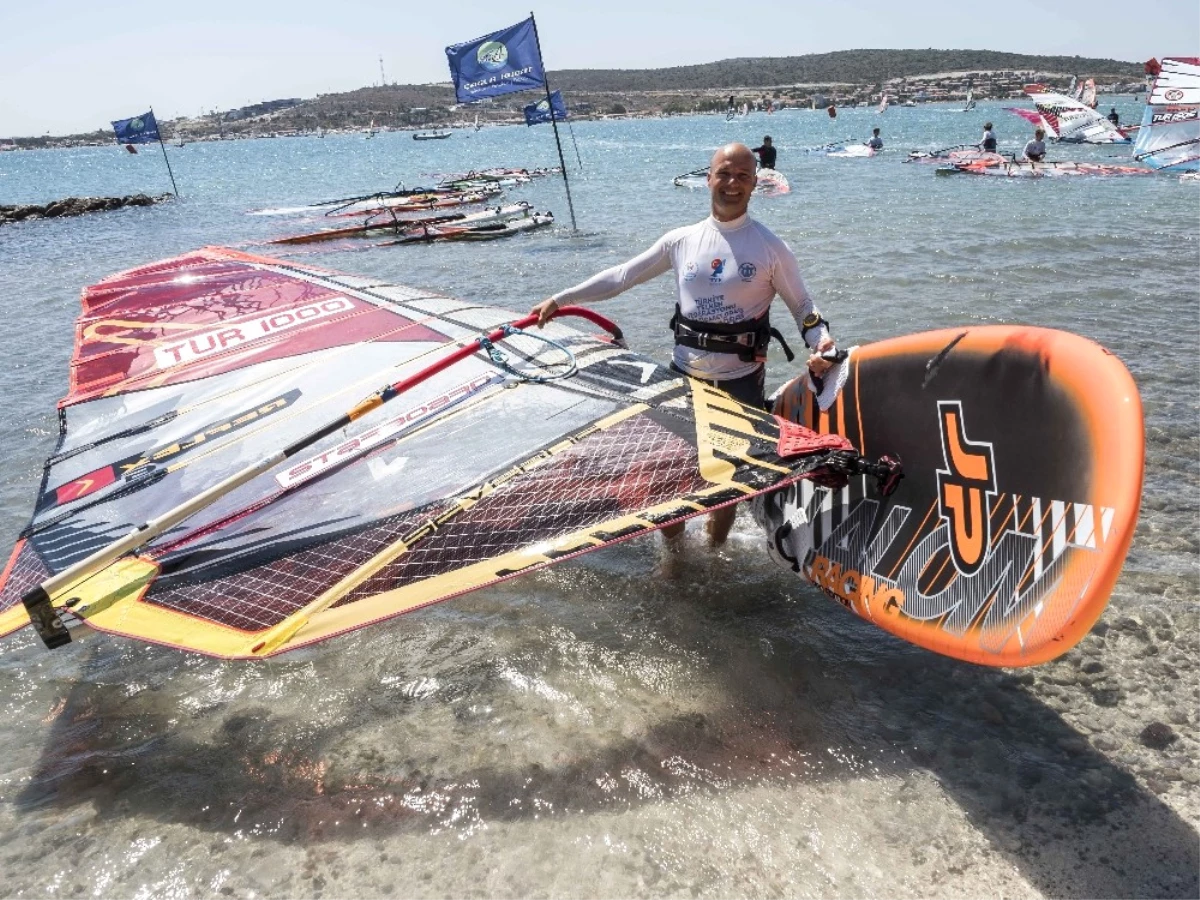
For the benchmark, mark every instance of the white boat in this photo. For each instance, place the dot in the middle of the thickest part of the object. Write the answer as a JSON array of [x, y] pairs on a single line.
[[435, 135]]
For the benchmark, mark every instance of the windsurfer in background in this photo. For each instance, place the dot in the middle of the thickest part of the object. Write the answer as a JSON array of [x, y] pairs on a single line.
[[1114, 118], [876, 142], [1035, 150], [988, 144], [728, 268], [766, 153]]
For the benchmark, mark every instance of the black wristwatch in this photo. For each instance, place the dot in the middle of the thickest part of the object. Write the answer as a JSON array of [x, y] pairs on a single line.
[[811, 321]]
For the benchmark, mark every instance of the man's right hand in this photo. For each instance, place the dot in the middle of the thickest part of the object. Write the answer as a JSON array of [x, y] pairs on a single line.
[[544, 311]]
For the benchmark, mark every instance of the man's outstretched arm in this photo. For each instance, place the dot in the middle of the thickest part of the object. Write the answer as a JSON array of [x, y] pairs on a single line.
[[611, 282]]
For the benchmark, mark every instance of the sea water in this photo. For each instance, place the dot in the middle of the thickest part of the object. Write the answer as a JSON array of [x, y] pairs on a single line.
[[597, 730]]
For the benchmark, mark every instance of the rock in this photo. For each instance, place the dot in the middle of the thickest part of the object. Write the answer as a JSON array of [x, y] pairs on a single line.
[[1158, 736], [74, 206]]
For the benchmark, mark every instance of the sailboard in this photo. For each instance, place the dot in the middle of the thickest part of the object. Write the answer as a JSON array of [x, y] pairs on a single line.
[[1169, 137], [1069, 120], [377, 226], [222, 485], [1023, 452]]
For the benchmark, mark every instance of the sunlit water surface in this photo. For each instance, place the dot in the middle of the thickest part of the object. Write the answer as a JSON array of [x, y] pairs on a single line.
[[596, 730]]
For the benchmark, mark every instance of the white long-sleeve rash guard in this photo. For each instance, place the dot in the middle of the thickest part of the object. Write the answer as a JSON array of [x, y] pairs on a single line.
[[724, 272]]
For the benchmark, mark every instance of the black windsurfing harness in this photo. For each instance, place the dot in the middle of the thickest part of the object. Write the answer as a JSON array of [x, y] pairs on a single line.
[[748, 339]]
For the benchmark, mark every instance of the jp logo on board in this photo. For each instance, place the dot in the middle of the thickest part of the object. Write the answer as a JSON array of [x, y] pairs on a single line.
[[963, 490]]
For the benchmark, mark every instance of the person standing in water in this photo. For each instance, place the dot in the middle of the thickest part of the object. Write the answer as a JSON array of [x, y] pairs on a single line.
[[766, 153], [728, 268], [988, 144], [876, 142]]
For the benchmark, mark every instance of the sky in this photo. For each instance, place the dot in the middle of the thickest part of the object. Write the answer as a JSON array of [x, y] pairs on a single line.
[[70, 66]]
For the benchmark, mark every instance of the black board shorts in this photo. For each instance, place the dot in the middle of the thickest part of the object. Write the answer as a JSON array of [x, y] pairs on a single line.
[[749, 389]]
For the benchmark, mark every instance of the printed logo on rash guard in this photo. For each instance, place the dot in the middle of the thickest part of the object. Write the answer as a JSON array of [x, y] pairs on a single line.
[[690, 271], [718, 271], [747, 270]]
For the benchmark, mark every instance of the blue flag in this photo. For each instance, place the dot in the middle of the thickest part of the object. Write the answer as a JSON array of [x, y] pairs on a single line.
[[502, 62], [138, 130], [536, 113]]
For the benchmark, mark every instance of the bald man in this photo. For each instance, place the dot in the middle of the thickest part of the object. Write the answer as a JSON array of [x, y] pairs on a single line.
[[728, 269]]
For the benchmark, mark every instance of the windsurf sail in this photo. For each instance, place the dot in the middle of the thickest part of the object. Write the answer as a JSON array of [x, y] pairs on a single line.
[[221, 485], [1088, 98], [1015, 168], [1169, 137], [1071, 120], [377, 226], [970, 104], [770, 181], [1034, 118], [471, 231], [851, 151], [883, 103], [958, 154]]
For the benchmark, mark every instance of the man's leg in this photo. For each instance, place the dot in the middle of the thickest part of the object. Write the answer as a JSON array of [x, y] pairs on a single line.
[[750, 390], [719, 524]]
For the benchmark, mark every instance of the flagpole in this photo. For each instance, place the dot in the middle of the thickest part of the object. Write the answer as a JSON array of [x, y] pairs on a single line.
[[158, 131], [554, 122]]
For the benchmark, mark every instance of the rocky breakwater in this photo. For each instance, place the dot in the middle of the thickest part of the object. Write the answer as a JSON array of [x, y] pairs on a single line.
[[75, 206]]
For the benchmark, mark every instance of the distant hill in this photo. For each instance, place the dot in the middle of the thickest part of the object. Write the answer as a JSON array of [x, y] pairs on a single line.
[[842, 66], [846, 77]]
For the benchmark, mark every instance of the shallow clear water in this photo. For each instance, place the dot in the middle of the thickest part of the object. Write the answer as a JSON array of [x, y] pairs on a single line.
[[597, 730]]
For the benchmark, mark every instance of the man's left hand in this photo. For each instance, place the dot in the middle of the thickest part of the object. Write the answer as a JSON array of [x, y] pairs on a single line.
[[818, 364]]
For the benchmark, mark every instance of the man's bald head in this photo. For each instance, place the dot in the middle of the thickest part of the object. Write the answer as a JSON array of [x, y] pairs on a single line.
[[731, 180], [738, 154]]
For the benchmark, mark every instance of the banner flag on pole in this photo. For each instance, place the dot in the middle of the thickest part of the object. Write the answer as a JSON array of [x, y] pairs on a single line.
[[141, 129], [502, 62], [536, 113]]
